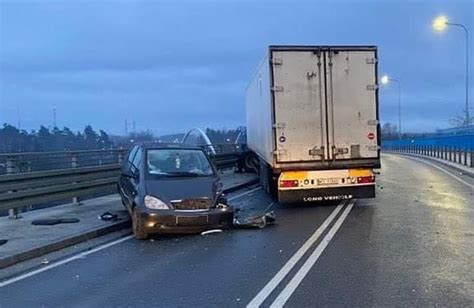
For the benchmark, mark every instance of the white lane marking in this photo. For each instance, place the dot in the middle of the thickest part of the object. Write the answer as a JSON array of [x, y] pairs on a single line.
[[84, 254], [303, 271], [67, 260], [269, 206], [275, 281], [243, 194], [442, 169]]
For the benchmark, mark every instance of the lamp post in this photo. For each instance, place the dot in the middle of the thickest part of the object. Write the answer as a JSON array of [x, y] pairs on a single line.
[[440, 24], [385, 80]]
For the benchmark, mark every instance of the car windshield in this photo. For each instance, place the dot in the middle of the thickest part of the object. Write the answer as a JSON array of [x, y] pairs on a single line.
[[178, 162]]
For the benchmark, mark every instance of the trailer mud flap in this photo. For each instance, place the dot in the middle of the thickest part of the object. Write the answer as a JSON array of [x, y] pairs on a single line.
[[325, 194]]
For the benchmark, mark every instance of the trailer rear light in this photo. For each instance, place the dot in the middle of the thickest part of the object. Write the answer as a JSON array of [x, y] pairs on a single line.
[[365, 179], [289, 183]]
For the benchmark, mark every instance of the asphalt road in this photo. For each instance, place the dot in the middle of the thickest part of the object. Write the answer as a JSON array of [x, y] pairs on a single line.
[[411, 246]]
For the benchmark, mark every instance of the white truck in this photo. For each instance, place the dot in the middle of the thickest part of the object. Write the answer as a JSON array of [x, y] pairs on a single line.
[[313, 121]]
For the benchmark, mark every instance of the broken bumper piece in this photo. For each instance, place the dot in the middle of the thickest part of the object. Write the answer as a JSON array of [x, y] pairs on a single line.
[[258, 221]]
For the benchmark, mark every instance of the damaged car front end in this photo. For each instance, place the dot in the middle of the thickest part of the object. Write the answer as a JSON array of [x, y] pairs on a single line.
[[172, 189], [192, 215]]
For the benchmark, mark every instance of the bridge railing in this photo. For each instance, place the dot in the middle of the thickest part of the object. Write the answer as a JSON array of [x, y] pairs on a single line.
[[27, 189], [11, 163], [451, 154], [37, 178]]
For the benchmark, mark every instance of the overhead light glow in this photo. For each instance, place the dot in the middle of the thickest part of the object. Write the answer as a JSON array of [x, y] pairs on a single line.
[[384, 79], [440, 23]]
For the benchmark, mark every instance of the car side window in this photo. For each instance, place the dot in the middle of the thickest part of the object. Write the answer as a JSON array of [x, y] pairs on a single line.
[[131, 155], [136, 161]]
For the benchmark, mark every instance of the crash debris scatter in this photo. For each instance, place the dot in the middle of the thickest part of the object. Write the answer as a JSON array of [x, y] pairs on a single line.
[[107, 216], [257, 221], [211, 231]]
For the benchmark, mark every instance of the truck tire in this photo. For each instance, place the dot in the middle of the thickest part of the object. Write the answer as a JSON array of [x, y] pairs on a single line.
[[268, 181], [138, 227], [251, 163], [262, 174], [273, 186]]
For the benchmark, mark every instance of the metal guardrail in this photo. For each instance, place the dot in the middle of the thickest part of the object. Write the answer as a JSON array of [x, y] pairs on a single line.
[[71, 175], [11, 163], [19, 190], [456, 155], [42, 161], [462, 140]]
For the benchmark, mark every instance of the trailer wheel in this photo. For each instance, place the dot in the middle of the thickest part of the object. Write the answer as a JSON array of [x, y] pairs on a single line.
[[262, 172], [273, 185], [251, 163], [268, 181]]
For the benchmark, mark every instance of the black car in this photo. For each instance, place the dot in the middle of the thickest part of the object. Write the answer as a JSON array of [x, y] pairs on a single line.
[[172, 188]]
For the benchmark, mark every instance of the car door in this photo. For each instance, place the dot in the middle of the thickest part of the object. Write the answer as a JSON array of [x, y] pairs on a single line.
[[134, 181], [125, 185]]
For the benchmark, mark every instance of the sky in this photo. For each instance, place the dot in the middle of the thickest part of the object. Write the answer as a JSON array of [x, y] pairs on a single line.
[[172, 65]]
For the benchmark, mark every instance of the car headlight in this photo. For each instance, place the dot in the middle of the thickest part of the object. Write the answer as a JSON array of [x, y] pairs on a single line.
[[155, 203]]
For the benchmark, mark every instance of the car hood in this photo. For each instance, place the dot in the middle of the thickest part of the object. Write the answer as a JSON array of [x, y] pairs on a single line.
[[181, 188]]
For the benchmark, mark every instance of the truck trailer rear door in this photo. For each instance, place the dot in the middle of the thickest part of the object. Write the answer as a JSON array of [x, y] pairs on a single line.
[[352, 105], [298, 89]]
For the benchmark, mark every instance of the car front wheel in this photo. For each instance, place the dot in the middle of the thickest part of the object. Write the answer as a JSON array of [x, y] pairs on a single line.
[[138, 227]]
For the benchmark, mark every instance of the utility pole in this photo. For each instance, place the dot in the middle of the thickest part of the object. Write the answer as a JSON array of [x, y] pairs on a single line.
[[18, 115], [126, 127], [385, 80], [54, 117], [440, 24], [467, 120]]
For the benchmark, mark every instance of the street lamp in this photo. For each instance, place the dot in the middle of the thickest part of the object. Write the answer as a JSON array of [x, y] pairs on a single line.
[[440, 23], [385, 80]]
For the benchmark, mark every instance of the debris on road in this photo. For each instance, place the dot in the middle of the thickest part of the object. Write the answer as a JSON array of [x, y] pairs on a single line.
[[45, 222], [259, 221], [3, 241], [45, 262], [54, 221], [107, 216], [69, 220], [211, 231]]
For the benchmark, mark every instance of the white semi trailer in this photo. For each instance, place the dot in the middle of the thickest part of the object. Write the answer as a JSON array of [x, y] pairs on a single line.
[[313, 121]]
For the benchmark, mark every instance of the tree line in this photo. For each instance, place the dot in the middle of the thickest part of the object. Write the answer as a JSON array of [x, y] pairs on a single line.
[[14, 140]]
